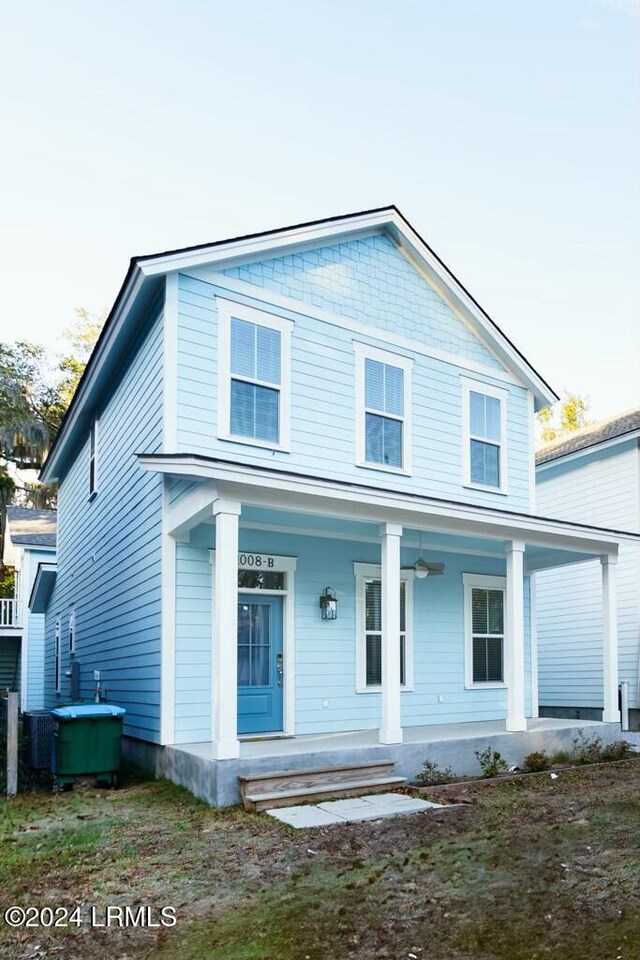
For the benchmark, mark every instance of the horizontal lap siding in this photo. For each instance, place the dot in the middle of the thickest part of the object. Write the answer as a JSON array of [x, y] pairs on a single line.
[[603, 492], [323, 402], [325, 652], [109, 552]]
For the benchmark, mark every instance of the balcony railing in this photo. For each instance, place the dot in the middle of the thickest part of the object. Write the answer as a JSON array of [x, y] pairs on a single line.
[[9, 613]]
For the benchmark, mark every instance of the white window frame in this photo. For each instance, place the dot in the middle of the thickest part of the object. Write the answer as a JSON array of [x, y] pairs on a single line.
[[71, 632], [226, 310], [94, 439], [57, 652], [470, 386], [372, 571], [363, 352], [481, 582]]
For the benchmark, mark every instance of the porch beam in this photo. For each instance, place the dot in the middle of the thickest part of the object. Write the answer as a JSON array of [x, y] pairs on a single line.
[[514, 636], [391, 726], [611, 712], [193, 508], [224, 652]]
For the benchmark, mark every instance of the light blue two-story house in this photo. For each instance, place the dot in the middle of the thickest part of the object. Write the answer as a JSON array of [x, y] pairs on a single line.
[[296, 509]]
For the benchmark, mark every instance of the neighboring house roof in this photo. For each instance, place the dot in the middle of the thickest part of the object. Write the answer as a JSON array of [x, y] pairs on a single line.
[[33, 528], [617, 428], [144, 284]]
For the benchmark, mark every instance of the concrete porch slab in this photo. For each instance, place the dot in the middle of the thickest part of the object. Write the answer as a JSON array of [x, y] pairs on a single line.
[[448, 745], [353, 810]]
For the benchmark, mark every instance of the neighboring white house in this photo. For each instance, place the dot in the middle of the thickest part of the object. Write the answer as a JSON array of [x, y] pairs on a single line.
[[30, 547], [592, 477]]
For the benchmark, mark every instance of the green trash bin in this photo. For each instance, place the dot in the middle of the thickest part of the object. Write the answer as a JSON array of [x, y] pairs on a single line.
[[86, 740]]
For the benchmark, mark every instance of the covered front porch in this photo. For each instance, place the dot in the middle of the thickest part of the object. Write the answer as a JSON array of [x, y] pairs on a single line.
[[223, 521], [454, 745]]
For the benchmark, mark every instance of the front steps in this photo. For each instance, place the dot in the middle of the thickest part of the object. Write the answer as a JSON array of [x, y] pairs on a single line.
[[283, 788]]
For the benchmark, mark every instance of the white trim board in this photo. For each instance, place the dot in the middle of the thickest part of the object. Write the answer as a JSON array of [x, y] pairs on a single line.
[[310, 495], [271, 302]]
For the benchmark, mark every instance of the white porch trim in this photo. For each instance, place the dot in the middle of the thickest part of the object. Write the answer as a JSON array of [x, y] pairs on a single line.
[[224, 652], [611, 712], [514, 636], [391, 723]]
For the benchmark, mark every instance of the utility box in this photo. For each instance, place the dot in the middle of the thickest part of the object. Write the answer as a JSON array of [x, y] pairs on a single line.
[[86, 740], [38, 728]]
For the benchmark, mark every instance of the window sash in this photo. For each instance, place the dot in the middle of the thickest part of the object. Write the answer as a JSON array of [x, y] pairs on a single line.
[[93, 458], [485, 438], [255, 389], [373, 632], [72, 631], [487, 634], [57, 659]]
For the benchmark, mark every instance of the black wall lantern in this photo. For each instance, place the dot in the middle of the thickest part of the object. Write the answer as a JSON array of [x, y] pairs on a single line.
[[328, 604]]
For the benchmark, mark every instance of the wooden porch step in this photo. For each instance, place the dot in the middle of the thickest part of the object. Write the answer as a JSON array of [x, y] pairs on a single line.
[[279, 788], [267, 801]]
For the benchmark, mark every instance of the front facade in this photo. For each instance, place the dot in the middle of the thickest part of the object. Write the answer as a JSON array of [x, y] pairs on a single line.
[[593, 477], [30, 547], [297, 498]]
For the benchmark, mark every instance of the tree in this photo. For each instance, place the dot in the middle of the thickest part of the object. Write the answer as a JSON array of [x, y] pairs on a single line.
[[36, 389], [563, 418]]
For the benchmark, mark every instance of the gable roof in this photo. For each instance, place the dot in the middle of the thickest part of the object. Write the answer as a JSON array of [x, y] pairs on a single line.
[[144, 282], [620, 427], [33, 528]]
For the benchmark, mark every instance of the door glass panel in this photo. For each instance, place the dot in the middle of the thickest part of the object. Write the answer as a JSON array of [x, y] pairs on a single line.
[[254, 644], [260, 580]]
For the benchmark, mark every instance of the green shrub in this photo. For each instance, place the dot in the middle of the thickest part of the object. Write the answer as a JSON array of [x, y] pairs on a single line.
[[431, 774], [618, 750], [586, 750], [491, 762], [560, 757], [536, 761]]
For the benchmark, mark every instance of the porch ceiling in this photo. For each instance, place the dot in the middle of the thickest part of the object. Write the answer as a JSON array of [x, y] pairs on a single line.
[[332, 508]]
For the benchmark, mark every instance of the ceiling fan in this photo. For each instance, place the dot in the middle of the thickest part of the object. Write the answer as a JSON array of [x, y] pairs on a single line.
[[423, 568]]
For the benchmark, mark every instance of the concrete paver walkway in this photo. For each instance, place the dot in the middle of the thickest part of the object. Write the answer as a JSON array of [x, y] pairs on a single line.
[[372, 807]]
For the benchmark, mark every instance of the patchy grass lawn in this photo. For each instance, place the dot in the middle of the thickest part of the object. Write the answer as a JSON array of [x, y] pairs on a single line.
[[536, 869]]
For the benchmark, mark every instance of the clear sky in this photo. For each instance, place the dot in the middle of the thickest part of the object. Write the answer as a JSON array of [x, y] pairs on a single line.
[[506, 131]]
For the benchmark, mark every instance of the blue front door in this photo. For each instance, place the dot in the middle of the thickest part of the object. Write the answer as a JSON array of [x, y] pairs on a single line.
[[260, 668]]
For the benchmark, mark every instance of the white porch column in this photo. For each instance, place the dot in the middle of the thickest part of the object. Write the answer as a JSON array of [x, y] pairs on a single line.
[[224, 652], [610, 713], [514, 636], [391, 727]]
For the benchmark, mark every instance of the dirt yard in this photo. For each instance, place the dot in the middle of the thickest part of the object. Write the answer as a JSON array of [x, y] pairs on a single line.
[[544, 868]]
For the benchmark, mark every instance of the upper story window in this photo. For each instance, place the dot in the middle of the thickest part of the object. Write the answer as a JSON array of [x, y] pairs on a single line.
[[369, 629], [484, 630], [57, 655], [383, 409], [254, 386], [93, 459], [485, 435], [72, 630]]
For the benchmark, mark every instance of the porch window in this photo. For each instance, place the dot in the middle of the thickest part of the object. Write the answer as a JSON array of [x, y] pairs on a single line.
[[369, 626], [253, 402], [383, 409], [484, 615], [57, 675], [484, 409]]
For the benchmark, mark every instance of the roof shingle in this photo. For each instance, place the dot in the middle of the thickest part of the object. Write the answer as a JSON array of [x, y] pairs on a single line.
[[618, 426], [27, 526]]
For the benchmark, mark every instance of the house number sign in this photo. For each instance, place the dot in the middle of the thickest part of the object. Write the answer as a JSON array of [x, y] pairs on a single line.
[[256, 561]]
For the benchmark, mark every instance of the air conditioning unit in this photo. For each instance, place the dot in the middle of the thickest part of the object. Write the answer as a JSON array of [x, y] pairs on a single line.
[[38, 728]]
